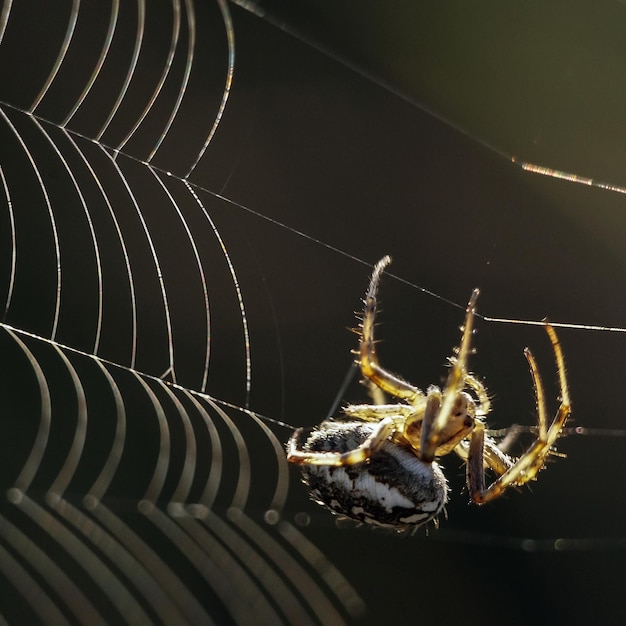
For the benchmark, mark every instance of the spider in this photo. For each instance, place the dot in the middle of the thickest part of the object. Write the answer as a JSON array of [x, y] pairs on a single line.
[[378, 462]]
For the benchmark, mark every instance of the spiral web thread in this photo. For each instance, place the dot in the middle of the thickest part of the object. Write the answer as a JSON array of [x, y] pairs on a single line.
[[134, 494]]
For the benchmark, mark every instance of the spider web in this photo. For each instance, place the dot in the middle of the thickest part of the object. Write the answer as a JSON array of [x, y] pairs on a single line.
[[180, 261], [134, 496]]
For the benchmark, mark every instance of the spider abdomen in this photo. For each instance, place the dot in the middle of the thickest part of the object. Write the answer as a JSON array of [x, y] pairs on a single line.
[[392, 488]]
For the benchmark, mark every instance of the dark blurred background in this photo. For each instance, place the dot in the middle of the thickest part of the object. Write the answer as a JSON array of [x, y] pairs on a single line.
[[355, 130]]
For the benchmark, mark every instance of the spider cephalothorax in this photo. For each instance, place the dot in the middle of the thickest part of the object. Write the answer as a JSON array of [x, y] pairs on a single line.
[[376, 463]]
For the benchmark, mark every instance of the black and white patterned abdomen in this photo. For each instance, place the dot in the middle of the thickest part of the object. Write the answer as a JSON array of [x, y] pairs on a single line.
[[393, 488]]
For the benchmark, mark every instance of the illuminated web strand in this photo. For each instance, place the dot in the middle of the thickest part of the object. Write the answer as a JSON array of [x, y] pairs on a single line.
[[31, 465], [95, 567], [102, 575], [571, 326], [318, 601], [191, 27], [24, 480], [115, 8], [100, 486], [92, 230], [571, 178], [214, 573], [18, 331], [72, 595], [207, 498], [456, 305], [80, 551], [223, 573], [141, 22], [570, 430], [147, 565], [166, 70], [230, 37], [20, 578], [157, 265], [152, 493], [367, 263], [69, 33], [246, 600], [214, 535], [91, 564], [428, 292], [72, 458], [200, 268], [150, 574], [231, 268], [7, 195], [53, 225], [181, 492], [334, 579], [120, 236], [487, 318], [4, 17], [215, 564], [141, 579], [242, 490], [165, 447]]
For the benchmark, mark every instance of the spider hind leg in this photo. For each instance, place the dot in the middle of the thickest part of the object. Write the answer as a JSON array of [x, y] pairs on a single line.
[[527, 466]]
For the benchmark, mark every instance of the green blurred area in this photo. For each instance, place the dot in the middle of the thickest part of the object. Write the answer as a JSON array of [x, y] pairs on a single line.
[[543, 81]]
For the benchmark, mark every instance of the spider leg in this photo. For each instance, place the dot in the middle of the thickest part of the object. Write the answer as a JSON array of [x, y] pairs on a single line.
[[434, 399], [542, 419], [526, 467], [481, 393], [375, 412], [369, 447], [483, 453], [368, 359], [376, 393], [457, 378], [494, 457], [566, 405]]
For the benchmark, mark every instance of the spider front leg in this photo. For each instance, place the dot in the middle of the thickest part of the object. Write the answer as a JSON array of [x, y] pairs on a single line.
[[527, 466], [437, 424], [368, 359]]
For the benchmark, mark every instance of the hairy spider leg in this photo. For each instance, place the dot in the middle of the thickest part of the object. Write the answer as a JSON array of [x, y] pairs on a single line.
[[368, 359], [393, 415], [526, 467], [481, 393], [540, 399], [376, 393], [433, 428], [369, 447], [375, 412], [494, 457]]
